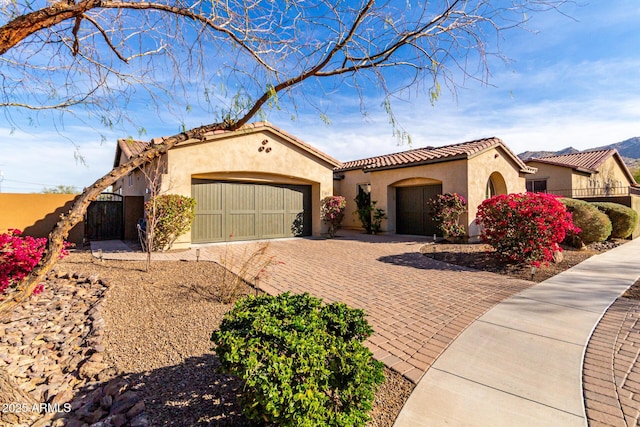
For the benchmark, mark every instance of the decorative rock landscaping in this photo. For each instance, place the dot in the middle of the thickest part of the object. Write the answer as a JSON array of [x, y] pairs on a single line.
[[51, 348]]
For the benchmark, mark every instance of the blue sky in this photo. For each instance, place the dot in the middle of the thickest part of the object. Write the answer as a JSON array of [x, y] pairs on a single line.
[[570, 82]]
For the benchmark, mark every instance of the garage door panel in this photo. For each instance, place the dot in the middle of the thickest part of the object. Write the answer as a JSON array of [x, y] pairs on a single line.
[[241, 226], [272, 225], [246, 211], [209, 228], [271, 198], [240, 198]]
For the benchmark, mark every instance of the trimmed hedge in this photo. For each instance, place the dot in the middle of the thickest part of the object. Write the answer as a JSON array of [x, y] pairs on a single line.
[[623, 219], [302, 362], [595, 225]]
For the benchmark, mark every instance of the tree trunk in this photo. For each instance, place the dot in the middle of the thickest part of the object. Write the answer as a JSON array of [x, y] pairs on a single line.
[[19, 404], [61, 230]]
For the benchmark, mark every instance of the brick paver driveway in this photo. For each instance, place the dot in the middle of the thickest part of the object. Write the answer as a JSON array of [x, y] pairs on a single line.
[[416, 305]]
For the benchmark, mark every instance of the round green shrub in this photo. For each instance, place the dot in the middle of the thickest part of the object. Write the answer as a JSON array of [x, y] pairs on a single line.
[[623, 219], [595, 225], [302, 362]]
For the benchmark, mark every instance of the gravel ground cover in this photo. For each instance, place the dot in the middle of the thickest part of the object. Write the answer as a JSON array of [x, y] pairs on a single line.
[[158, 329]]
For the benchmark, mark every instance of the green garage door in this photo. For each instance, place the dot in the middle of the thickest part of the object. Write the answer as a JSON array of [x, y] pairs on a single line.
[[412, 216], [228, 211]]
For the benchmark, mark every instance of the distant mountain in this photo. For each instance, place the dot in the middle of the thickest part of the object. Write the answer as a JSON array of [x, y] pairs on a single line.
[[629, 150], [537, 154]]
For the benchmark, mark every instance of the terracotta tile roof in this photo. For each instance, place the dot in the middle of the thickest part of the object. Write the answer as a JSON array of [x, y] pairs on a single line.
[[427, 155], [585, 160], [131, 147]]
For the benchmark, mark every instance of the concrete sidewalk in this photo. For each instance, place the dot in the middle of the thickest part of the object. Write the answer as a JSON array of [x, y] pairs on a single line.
[[521, 363]]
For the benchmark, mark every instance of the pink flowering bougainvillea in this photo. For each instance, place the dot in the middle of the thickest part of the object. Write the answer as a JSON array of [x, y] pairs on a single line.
[[18, 256], [526, 228], [446, 210], [332, 212]]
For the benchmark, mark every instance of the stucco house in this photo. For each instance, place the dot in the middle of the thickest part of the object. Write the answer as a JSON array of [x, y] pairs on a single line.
[[257, 182], [597, 173], [401, 183]]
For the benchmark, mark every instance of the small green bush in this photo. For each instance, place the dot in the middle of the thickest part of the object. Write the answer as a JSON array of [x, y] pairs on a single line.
[[623, 219], [170, 216], [595, 225], [302, 363]]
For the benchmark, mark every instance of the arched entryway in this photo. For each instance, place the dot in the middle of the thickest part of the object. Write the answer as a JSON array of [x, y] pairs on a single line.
[[495, 185]]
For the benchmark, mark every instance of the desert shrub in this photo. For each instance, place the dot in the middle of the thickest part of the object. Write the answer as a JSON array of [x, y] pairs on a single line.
[[370, 216], [332, 212], [595, 226], [168, 217], [363, 205], [302, 362], [526, 228], [623, 219], [377, 216], [446, 210]]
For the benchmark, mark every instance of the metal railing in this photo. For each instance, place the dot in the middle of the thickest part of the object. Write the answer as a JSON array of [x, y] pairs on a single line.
[[596, 192]]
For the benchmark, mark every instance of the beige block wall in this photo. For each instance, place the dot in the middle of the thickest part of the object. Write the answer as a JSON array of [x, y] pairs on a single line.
[[238, 158], [37, 214]]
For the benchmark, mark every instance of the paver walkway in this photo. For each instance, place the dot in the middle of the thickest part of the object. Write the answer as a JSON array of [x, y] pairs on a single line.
[[521, 363], [416, 305], [611, 370]]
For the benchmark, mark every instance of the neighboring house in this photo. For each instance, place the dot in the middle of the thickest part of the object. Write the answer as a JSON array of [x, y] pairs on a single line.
[[257, 182], [401, 183], [598, 173]]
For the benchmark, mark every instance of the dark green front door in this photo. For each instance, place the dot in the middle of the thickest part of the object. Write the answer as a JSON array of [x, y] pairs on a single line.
[[412, 216], [228, 211]]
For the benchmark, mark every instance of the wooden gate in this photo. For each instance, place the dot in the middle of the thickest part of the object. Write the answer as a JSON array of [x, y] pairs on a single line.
[[105, 218]]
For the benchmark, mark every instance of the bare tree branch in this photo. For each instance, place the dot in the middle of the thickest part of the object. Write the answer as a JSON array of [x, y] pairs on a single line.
[[241, 57]]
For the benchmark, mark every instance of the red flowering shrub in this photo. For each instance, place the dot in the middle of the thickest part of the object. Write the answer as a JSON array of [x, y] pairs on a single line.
[[332, 212], [18, 256], [526, 228], [446, 210]]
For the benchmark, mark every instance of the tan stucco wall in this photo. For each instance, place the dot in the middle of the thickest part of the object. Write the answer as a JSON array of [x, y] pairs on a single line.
[[635, 205], [452, 175], [610, 171], [465, 177], [562, 178], [348, 187], [237, 157], [493, 163], [138, 185], [559, 178], [36, 214]]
